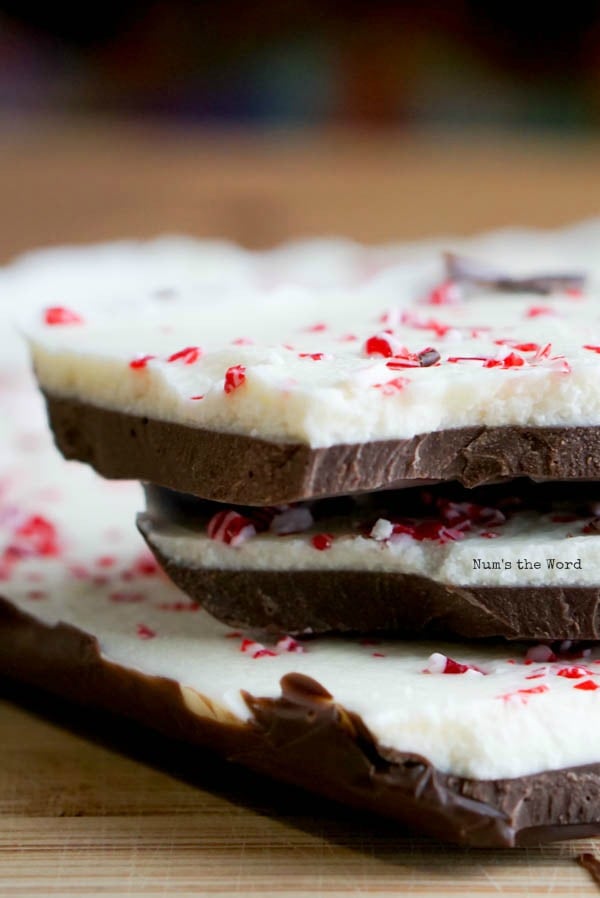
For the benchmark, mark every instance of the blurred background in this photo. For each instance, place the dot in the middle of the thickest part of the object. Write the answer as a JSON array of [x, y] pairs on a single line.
[[268, 119]]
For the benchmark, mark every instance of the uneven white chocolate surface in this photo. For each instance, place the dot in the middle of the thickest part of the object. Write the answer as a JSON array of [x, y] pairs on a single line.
[[69, 552], [295, 327]]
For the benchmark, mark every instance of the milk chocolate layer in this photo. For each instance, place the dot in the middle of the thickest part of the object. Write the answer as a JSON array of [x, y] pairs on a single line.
[[305, 737], [239, 469]]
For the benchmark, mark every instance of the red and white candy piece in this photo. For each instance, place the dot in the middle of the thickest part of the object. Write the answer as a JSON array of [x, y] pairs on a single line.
[[437, 663], [231, 528], [235, 377], [60, 315], [187, 356]]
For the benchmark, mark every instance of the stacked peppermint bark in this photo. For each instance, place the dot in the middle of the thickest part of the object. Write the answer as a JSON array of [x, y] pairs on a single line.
[[386, 443]]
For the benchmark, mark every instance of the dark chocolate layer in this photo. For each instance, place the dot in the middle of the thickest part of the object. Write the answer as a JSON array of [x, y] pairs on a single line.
[[406, 605], [249, 471], [305, 738]]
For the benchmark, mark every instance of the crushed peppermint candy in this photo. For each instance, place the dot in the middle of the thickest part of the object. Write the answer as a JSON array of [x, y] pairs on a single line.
[[392, 387], [587, 686], [322, 541], [141, 362], [35, 536], [295, 519], [289, 644], [385, 345], [230, 527], [445, 294], [437, 663], [58, 315], [188, 356], [536, 311], [234, 378], [523, 694], [382, 530]]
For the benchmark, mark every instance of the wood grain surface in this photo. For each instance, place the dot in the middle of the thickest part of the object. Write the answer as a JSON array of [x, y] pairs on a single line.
[[89, 806]]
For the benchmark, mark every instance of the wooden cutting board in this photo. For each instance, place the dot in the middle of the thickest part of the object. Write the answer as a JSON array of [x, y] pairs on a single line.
[[79, 817]]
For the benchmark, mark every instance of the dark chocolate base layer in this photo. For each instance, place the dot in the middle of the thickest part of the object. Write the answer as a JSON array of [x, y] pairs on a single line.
[[305, 738], [405, 605], [244, 470]]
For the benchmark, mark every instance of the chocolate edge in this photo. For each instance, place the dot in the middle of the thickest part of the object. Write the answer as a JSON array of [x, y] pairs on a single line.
[[405, 605], [306, 738], [239, 469]]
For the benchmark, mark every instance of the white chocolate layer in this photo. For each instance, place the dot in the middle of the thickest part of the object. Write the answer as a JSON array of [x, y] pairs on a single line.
[[270, 312], [102, 581], [530, 549]]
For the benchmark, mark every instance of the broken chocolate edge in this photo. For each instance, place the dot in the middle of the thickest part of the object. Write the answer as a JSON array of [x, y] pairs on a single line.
[[239, 469], [305, 738]]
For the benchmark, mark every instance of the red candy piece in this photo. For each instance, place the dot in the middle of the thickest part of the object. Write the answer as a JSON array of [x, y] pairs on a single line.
[[146, 566], [592, 348], [315, 356], [140, 362], [378, 345], [430, 324], [443, 664], [572, 673], [536, 311], [391, 387], [455, 667], [188, 356], [289, 644], [35, 536], [145, 632], [106, 561], [61, 315], [234, 378], [534, 690], [587, 685], [230, 527], [397, 364], [522, 347], [512, 360], [322, 541], [446, 293]]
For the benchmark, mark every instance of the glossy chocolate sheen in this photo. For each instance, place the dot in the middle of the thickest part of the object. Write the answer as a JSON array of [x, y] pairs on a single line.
[[243, 470], [305, 738]]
